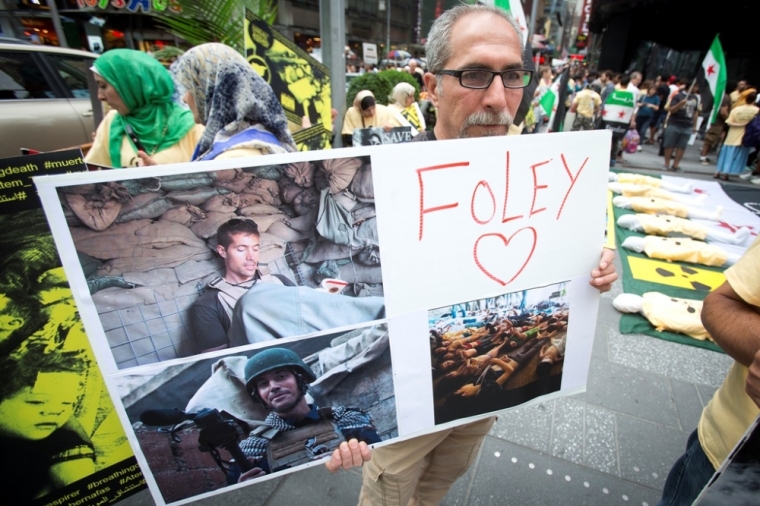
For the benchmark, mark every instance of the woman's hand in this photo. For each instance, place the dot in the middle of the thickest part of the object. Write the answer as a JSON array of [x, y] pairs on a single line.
[[144, 159]]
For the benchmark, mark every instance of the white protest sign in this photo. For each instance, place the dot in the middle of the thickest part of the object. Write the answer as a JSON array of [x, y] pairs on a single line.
[[483, 245], [477, 217], [369, 53]]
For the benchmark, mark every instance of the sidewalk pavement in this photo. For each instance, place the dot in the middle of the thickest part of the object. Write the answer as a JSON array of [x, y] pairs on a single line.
[[613, 444], [647, 161]]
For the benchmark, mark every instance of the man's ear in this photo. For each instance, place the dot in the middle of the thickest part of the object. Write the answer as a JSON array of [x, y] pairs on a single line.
[[222, 252], [431, 83]]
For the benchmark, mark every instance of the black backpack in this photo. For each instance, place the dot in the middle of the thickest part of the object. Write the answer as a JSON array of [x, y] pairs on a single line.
[[751, 137]]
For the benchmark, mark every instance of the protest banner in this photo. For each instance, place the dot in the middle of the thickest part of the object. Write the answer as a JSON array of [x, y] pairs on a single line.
[[301, 83], [62, 442], [378, 135], [406, 241]]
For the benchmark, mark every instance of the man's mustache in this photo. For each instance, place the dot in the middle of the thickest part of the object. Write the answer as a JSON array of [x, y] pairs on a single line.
[[483, 118]]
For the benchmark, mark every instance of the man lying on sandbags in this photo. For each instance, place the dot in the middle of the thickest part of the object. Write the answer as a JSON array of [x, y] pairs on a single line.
[[244, 306]]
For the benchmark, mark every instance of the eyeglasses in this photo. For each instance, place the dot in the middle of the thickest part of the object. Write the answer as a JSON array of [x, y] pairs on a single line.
[[480, 79]]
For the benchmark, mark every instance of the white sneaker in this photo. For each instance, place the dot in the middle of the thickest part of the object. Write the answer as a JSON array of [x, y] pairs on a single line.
[[755, 181]]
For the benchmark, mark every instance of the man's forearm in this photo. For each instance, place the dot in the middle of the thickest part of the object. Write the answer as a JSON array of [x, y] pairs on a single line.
[[732, 323]]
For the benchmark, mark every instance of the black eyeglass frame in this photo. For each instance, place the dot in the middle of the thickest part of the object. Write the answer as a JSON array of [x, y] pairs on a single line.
[[458, 74]]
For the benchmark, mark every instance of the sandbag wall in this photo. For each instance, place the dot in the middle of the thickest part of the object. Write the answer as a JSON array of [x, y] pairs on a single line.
[[148, 246]]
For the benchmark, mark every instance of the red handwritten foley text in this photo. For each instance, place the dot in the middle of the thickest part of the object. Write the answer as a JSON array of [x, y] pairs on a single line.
[[484, 195]]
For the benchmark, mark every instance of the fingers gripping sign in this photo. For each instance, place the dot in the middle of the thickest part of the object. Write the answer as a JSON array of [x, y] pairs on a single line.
[[349, 454]]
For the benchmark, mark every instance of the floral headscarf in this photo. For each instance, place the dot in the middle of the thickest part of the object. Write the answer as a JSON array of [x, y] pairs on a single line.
[[229, 95]]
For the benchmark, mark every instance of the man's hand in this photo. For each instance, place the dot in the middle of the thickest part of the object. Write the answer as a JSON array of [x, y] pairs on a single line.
[[256, 472], [753, 380], [603, 276], [349, 454]]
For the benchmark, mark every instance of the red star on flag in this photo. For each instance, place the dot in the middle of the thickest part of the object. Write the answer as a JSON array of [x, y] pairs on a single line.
[[621, 114], [711, 70]]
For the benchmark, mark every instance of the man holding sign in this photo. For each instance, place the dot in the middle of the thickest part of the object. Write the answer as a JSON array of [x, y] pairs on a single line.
[[475, 81]]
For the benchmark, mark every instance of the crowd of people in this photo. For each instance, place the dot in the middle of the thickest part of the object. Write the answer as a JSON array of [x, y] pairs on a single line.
[[665, 111]]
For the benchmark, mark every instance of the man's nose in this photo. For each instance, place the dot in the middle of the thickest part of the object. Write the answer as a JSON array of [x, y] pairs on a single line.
[[495, 96]]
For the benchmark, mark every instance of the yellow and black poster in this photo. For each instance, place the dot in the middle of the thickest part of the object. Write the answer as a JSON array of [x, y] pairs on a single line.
[[61, 442], [301, 83]]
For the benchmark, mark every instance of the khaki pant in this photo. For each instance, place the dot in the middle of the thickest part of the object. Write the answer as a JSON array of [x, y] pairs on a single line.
[[420, 471]]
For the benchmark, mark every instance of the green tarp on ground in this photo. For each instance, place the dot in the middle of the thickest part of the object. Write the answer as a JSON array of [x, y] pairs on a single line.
[[636, 323]]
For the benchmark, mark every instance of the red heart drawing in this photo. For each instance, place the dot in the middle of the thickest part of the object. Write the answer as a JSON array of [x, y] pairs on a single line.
[[506, 243]]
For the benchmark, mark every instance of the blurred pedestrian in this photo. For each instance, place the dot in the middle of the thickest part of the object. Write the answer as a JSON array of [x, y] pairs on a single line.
[[733, 155], [367, 113], [143, 116]]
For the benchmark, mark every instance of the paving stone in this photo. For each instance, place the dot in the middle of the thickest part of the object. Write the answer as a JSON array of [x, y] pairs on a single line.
[[513, 475], [688, 403], [568, 430], [317, 486], [600, 450], [686, 363], [631, 391], [529, 425], [647, 450]]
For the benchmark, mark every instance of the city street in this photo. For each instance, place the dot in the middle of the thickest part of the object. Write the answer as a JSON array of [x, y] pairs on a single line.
[[613, 444]]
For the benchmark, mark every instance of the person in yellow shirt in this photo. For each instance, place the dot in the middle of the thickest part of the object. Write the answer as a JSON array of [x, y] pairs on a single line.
[[366, 113], [733, 155], [586, 105], [731, 315], [143, 116]]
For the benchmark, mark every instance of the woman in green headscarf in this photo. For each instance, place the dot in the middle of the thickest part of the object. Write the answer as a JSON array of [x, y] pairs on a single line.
[[139, 91]]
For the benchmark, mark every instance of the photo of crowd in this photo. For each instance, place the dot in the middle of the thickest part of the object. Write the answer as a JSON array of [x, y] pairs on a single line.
[[494, 353]]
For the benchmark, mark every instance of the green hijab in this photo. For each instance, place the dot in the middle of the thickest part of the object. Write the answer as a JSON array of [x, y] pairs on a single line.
[[146, 88]]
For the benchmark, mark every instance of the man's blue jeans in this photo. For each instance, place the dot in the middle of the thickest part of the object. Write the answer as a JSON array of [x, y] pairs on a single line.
[[688, 476]]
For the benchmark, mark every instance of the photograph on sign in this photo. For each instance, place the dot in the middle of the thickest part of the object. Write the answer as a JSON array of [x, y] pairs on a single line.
[[254, 414], [60, 434], [491, 354], [164, 260]]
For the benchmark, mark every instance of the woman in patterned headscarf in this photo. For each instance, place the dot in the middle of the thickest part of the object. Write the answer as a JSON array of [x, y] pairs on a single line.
[[139, 90], [240, 110]]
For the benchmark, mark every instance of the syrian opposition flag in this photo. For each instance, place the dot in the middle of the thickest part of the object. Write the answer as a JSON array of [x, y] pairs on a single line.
[[618, 108], [548, 101], [714, 66], [514, 7]]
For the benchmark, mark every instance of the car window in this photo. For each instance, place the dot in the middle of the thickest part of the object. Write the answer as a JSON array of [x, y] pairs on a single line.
[[73, 70], [21, 78]]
